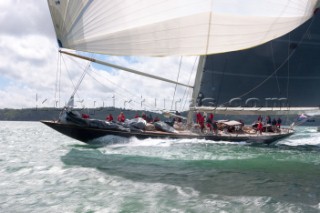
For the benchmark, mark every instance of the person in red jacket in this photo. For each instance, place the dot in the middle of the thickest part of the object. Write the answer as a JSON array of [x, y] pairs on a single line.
[[211, 116], [209, 126], [121, 117], [109, 118], [199, 116], [201, 122], [85, 116]]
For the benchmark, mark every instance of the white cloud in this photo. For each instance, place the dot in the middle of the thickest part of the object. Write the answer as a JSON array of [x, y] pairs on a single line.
[[30, 57]]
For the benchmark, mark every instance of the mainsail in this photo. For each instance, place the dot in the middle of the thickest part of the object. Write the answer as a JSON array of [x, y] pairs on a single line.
[[175, 27], [281, 76]]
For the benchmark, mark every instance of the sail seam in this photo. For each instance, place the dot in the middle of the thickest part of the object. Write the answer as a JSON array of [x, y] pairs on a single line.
[[209, 28]]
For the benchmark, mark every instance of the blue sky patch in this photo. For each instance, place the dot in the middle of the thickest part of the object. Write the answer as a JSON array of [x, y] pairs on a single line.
[[4, 82]]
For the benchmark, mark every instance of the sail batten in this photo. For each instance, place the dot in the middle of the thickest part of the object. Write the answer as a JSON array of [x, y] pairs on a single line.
[[176, 27]]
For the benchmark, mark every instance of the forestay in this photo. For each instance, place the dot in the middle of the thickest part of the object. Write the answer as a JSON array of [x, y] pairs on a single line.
[[175, 27]]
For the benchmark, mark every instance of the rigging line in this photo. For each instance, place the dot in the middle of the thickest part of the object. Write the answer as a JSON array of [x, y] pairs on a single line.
[[81, 78], [274, 66], [68, 72], [281, 65], [185, 91], [119, 94], [59, 86], [222, 80], [175, 88], [124, 68], [113, 90], [118, 87], [288, 76], [56, 83]]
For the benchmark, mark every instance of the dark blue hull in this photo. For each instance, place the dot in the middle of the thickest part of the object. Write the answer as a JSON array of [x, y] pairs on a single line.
[[89, 135]]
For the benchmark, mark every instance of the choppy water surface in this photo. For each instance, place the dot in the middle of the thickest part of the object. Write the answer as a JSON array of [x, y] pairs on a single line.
[[44, 171]]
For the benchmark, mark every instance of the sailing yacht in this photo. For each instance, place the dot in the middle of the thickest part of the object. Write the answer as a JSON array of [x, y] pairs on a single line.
[[245, 51]]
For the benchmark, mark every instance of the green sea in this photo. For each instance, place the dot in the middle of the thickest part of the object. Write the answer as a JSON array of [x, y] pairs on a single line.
[[44, 171]]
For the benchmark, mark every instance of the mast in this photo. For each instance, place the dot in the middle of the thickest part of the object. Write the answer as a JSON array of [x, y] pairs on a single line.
[[196, 87]]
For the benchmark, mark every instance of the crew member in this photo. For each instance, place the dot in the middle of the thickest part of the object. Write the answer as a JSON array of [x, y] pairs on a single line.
[[121, 117], [85, 116], [156, 119], [210, 118], [268, 119], [198, 118], [215, 127], [149, 118], [178, 119], [109, 118], [279, 121], [201, 122], [144, 116]]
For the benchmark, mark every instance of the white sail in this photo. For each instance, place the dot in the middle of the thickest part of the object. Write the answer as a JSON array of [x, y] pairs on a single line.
[[174, 27]]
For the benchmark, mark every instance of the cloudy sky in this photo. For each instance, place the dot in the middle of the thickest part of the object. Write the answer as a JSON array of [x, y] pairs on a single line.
[[30, 66]]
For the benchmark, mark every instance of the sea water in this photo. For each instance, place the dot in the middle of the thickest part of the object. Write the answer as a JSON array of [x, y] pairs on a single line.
[[44, 171]]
